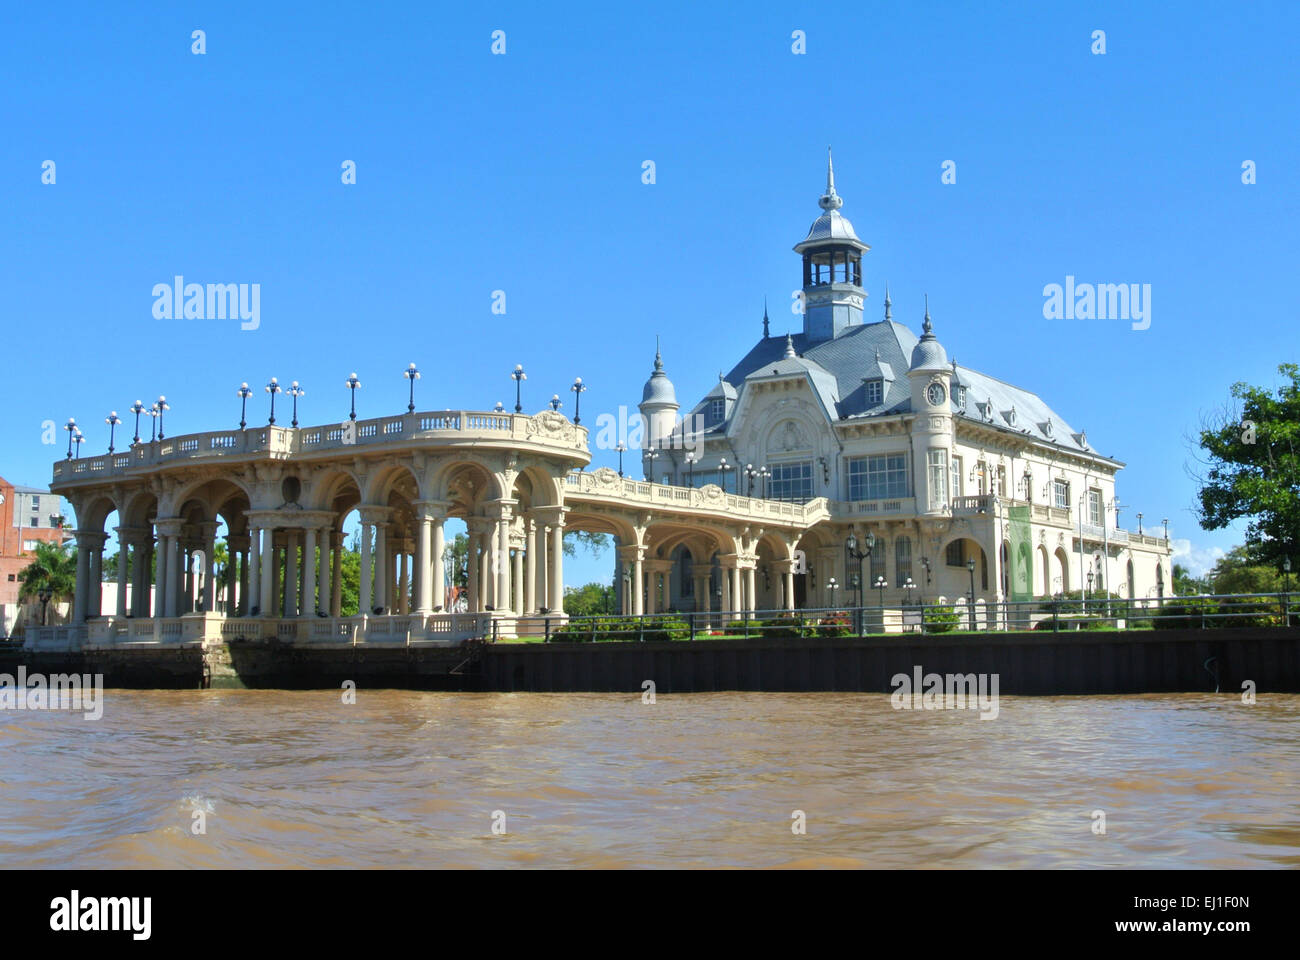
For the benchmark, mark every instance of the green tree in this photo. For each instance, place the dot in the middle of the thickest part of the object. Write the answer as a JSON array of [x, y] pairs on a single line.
[[350, 580], [1186, 585], [1239, 571], [52, 568], [1252, 460], [589, 600], [593, 543]]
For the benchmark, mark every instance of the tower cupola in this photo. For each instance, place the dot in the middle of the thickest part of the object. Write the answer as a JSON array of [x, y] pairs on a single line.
[[832, 269]]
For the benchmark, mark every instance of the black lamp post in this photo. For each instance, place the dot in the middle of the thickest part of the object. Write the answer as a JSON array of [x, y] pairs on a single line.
[[112, 420], [244, 392], [412, 374], [925, 562], [620, 448], [690, 469], [750, 474], [881, 583], [78, 438], [909, 591], [577, 387], [723, 467], [970, 566], [1139, 516], [650, 470], [162, 406], [137, 408], [273, 388], [1165, 521], [352, 383], [555, 402], [763, 474], [852, 553], [71, 427], [153, 422], [518, 376], [831, 587], [295, 391]]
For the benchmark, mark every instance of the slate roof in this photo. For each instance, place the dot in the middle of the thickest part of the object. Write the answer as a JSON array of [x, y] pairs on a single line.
[[837, 368]]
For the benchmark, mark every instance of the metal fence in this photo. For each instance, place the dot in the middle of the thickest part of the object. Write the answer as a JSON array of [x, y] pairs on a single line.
[[1055, 615]]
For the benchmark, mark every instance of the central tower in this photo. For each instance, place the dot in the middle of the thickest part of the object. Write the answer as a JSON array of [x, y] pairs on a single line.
[[832, 269]]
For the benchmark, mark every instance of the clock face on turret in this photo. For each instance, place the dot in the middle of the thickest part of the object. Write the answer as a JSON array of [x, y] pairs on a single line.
[[935, 394]]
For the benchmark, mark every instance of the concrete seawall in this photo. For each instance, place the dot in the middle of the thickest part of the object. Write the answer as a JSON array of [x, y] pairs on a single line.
[[1077, 663]]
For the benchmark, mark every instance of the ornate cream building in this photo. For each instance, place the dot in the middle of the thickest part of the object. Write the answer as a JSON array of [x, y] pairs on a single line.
[[846, 432]]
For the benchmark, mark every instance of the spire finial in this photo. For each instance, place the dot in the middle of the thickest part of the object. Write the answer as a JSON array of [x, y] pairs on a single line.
[[789, 346], [830, 199], [765, 330], [659, 362], [927, 328], [888, 304]]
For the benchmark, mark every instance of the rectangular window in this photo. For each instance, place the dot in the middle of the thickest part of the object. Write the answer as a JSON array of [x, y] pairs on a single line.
[[938, 463], [954, 557], [1094, 508], [957, 485], [717, 410], [902, 560], [36, 503], [791, 481], [878, 554], [1002, 482], [879, 477], [1061, 494], [875, 392], [35, 522], [30, 544]]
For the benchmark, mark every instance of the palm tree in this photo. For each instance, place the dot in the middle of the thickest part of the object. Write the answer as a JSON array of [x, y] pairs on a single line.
[[52, 569]]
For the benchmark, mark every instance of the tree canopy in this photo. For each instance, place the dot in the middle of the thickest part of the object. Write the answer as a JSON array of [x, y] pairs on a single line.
[[1252, 461], [52, 568]]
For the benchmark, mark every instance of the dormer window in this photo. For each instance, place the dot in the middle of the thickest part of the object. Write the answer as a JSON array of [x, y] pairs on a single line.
[[959, 395], [717, 410], [875, 392], [1011, 417]]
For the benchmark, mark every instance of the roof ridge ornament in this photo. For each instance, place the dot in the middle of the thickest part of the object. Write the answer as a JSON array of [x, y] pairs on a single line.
[[659, 360], [889, 316], [765, 322], [830, 200], [927, 327], [789, 346]]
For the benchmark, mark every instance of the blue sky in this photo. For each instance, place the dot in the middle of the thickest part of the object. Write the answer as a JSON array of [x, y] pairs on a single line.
[[522, 173]]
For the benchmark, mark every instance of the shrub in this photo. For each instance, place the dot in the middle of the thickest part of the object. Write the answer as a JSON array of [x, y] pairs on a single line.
[[625, 629], [1075, 623], [739, 628], [836, 626], [941, 619], [787, 627]]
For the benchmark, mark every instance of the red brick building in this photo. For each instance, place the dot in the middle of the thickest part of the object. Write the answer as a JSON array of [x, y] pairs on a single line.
[[28, 515]]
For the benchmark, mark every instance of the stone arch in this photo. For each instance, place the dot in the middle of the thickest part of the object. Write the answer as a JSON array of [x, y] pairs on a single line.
[[1062, 570], [463, 483]]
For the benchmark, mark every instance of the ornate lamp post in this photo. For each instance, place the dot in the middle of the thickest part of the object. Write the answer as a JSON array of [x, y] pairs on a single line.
[[555, 402], [295, 391], [763, 474], [1165, 521], [651, 455], [577, 387], [909, 591], [690, 468], [112, 420], [881, 583], [412, 374], [970, 566], [925, 562], [353, 384], [1139, 516], [78, 438], [137, 408], [621, 449], [273, 388], [71, 427], [750, 474], [723, 467], [244, 392], [518, 376], [852, 553], [831, 587], [153, 422], [162, 407], [499, 408]]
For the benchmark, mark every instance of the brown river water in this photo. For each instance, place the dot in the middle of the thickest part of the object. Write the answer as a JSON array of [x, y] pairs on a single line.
[[406, 779]]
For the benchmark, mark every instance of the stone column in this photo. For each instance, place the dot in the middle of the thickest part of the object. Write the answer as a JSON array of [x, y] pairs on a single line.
[[336, 589], [291, 576], [423, 570], [737, 591], [517, 577], [530, 574], [123, 559], [501, 558], [367, 572], [652, 589], [208, 602], [472, 585], [555, 576], [267, 580], [381, 567], [309, 606], [254, 571], [750, 603], [323, 576], [540, 589], [245, 562], [789, 585], [702, 598], [404, 582], [80, 598], [96, 579], [438, 576]]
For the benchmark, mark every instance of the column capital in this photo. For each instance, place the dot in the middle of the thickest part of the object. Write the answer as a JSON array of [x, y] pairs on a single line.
[[631, 552], [169, 526], [91, 538], [431, 509], [375, 514], [552, 516]]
